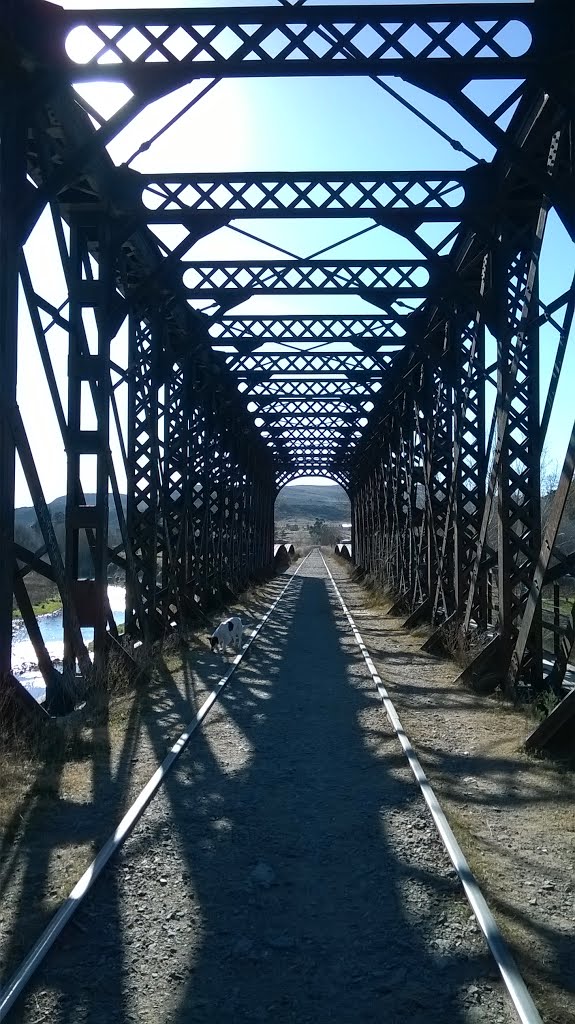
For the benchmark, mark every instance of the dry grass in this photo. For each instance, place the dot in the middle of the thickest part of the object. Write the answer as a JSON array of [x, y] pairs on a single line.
[[483, 858], [376, 594], [462, 645], [58, 758]]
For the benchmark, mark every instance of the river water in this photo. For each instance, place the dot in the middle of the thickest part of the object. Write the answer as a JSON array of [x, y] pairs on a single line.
[[24, 664]]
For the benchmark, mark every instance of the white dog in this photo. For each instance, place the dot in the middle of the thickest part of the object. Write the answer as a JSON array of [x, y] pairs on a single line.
[[228, 632]]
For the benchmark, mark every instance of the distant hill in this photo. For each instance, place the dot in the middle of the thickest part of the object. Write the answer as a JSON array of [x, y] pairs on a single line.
[[26, 516], [308, 501]]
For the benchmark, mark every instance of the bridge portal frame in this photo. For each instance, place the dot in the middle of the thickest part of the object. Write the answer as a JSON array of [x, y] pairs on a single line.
[[426, 484]]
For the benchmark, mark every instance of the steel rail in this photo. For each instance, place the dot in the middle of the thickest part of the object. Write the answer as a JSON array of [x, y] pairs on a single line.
[[28, 967], [516, 987]]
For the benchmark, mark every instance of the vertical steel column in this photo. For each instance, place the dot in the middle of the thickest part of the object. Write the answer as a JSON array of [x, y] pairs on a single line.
[[88, 376], [197, 427], [248, 513], [373, 523], [504, 343], [410, 579], [226, 492], [425, 423], [231, 547], [12, 189], [250, 520], [386, 571], [365, 525], [142, 469], [268, 550], [238, 510], [470, 461], [263, 524], [188, 549], [519, 486], [209, 463], [175, 489], [360, 552], [397, 496], [217, 470], [440, 439], [242, 519], [96, 369], [376, 539], [257, 538], [354, 498], [232, 500]]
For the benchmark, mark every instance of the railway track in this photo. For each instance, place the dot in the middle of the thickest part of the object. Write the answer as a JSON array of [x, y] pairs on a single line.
[[521, 999]]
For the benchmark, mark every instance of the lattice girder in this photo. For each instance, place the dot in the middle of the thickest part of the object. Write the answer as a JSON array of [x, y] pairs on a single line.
[[317, 330], [165, 47], [410, 197], [392, 279]]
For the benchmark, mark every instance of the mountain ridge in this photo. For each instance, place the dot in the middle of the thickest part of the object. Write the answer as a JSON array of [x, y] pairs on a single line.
[[305, 501], [310, 501]]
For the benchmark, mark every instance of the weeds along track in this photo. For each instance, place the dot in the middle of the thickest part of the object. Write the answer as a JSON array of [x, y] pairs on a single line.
[[521, 999]]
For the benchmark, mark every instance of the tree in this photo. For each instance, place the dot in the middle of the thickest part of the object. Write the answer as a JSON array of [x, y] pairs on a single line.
[[322, 533]]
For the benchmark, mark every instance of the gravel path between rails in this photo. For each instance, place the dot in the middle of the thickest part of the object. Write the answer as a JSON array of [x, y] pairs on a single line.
[[288, 870], [513, 814]]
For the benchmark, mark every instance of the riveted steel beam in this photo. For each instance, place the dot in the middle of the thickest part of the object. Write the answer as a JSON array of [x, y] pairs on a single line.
[[161, 48], [393, 279], [410, 196], [329, 364], [260, 330]]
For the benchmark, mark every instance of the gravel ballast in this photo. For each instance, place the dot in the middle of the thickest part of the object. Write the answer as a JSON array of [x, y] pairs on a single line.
[[288, 870]]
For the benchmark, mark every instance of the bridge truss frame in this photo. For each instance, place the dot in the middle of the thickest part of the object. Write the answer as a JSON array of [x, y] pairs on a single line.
[[442, 503]]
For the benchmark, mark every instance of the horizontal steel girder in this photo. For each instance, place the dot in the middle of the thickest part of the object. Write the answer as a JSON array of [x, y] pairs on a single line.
[[323, 407], [311, 449], [322, 388], [311, 446], [397, 278], [351, 364], [159, 48], [261, 330], [412, 196], [319, 425]]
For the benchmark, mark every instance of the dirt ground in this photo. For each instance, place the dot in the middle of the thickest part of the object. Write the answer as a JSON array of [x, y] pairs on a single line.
[[288, 869]]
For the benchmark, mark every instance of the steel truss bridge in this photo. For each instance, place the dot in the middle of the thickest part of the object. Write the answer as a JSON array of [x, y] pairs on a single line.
[[222, 408]]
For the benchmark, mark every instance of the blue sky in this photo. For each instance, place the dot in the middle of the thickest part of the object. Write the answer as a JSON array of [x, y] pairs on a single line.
[[268, 125]]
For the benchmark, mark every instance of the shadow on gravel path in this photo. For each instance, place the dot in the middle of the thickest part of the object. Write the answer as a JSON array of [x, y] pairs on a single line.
[[302, 915], [269, 879]]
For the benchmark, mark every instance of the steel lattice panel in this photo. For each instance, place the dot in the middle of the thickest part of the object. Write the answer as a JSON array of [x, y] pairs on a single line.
[[307, 329], [396, 279], [403, 196], [168, 44]]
